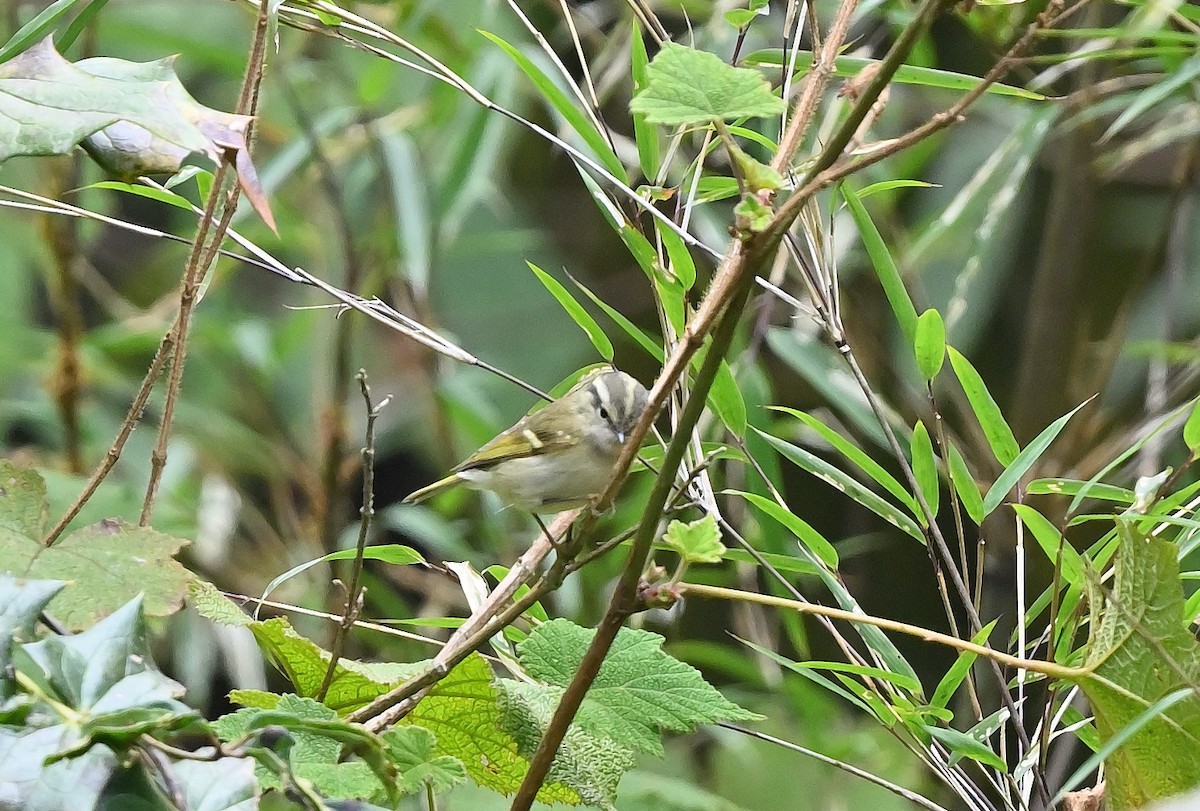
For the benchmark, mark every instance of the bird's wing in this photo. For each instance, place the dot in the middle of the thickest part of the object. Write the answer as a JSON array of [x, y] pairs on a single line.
[[515, 443]]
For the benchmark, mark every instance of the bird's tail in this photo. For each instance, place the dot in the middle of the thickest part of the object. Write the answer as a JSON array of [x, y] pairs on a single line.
[[429, 491]]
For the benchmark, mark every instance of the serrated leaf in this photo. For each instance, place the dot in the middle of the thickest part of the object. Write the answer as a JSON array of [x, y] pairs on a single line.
[[411, 749], [752, 214], [1140, 653], [999, 436], [574, 309], [106, 565], [1024, 461], [208, 600], [925, 469], [464, 715], [839, 480], [696, 542], [23, 507], [304, 663], [639, 692], [884, 265], [316, 747], [809, 538], [590, 763], [688, 86], [930, 344]]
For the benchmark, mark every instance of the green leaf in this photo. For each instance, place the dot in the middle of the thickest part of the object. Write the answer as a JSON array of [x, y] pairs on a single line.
[[567, 107], [758, 176], [925, 469], [809, 538], [412, 750], [464, 714], [645, 134], [884, 266], [865, 463], [965, 486], [227, 784], [152, 192], [930, 344], [410, 206], [574, 309], [209, 602], [1025, 460], [697, 542], [106, 565], [639, 692], [652, 347], [1053, 544], [1191, 429], [304, 663], [23, 507], [21, 601], [851, 66], [1138, 656], [841, 481], [959, 670], [963, 745], [1073, 487], [752, 214], [901, 680], [316, 750], [725, 398], [682, 264], [889, 185], [388, 553], [688, 86], [999, 436], [590, 763], [36, 29], [31, 784]]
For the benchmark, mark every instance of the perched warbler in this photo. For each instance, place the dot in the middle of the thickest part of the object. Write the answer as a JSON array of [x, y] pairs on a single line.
[[560, 457]]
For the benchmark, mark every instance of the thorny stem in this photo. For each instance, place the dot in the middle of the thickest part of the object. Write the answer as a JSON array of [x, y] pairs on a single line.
[[366, 513], [203, 254]]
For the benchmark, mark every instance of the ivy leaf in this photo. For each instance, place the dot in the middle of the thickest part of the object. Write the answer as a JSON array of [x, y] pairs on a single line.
[[106, 564], [1139, 654], [20, 604], [688, 86], [411, 749], [132, 118], [697, 542], [639, 692]]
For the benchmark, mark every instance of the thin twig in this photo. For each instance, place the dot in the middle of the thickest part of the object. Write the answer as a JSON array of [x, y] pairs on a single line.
[[366, 513], [1046, 668], [223, 197]]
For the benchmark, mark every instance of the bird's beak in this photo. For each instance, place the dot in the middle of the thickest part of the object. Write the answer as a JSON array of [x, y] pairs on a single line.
[[621, 437]]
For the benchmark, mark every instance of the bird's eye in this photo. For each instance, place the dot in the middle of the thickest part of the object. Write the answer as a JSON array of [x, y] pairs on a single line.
[[603, 413]]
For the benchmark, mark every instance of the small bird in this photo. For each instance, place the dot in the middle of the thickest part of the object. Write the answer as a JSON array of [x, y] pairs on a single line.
[[560, 457]]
